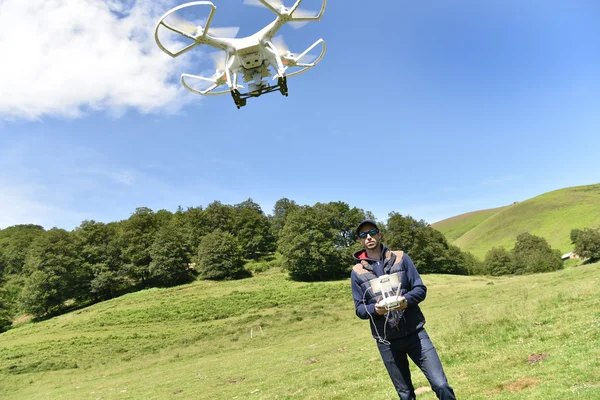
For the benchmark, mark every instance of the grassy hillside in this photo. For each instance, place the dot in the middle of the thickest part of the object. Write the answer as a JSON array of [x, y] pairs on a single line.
[[551, 215], [526, 337], [455, 227]]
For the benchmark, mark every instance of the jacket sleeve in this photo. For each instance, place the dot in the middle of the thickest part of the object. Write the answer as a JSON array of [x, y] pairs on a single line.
[[418, 290], [362, 310]]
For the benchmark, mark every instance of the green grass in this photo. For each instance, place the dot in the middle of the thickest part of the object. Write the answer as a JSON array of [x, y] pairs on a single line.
[[455, 227], [551, 215], [193, 342]]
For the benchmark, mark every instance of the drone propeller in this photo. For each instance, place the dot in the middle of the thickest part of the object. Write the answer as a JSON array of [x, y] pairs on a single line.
[[219, 59], [284, 50], [191, 28], [301, 13], [280, 45], [275, 5], [224, 32], [298, 13], [182, 24]]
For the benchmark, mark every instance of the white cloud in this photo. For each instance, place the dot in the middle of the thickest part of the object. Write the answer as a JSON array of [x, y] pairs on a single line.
[[63, 57]]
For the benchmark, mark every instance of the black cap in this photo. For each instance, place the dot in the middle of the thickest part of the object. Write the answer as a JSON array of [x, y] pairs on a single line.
[[365, 222]]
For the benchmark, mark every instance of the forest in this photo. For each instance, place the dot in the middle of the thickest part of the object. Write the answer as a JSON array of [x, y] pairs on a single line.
[[44, 273]]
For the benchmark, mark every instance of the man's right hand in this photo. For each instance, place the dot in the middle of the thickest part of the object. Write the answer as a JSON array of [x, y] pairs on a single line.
[[380, 309]]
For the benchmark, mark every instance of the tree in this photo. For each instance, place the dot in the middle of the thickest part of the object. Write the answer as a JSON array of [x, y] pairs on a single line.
[[311, 248], [427, 247], [5, 318], [473, 264], [342, 220], [137, 237], [193, 224], [587, 244], [401, 232], [219, 216], [14, 243], [458, 262], [499, 261], [169, 265], [53, 273], [532, 254], [574, 234], [253, 230], [219, 256], [102, 256], [281, 210]]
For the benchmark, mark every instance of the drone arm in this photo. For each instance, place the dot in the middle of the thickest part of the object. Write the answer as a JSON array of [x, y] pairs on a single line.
[[320, 41], [272, 49], [172, 28], [229, 62], [307, 66], [315, 18]]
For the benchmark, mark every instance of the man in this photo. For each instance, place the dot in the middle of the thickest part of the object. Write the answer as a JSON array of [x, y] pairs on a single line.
[[399, 331]]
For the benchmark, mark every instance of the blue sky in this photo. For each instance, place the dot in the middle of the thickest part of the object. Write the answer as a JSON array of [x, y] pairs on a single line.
[[422, 108]]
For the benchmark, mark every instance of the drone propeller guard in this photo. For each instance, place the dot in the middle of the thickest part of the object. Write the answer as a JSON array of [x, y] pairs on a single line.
[[294, 61], [292, 9], [195, 37]]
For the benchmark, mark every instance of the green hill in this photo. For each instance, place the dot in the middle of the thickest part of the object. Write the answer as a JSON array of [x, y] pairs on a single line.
[[551, 215], [455, 227], [267, 337]]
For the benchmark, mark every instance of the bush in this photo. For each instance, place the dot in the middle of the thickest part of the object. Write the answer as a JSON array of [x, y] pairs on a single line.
[[473, 265], [219, 256], [587, 244], [498, 261], [428, 248], [5, 319], [533, 254], [574, 235]]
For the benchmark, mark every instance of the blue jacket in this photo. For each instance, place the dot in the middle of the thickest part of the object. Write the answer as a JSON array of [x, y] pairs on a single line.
[[399, 323]]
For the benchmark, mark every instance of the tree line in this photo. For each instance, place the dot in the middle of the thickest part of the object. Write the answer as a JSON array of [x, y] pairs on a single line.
[[47, 272], [533, 254]]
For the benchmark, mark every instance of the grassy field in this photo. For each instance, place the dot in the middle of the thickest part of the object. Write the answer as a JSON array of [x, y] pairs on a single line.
[[455, 227], [551, 215], [266, 337]]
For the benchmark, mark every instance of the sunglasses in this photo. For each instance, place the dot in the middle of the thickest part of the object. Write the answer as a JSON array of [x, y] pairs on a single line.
[[372, 232]]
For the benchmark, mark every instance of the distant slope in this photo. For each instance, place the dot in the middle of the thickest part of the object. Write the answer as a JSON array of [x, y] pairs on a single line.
[[455, 227], [551, 215]]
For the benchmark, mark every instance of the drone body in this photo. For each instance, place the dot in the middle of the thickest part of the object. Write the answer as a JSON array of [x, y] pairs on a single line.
[[250, 58]]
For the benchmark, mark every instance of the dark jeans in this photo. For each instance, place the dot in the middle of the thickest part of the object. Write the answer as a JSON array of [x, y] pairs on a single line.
[[420, 349]]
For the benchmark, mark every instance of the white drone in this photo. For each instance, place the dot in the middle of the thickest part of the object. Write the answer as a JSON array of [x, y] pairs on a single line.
[[250, 56]]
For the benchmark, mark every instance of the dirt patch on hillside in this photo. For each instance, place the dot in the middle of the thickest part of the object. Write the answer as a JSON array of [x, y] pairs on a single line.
[[21, 319], [522, 384], [534, 358], [518, 385]]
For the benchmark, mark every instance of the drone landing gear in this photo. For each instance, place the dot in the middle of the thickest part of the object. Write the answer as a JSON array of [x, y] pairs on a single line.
[[240, 98], [282, 83]]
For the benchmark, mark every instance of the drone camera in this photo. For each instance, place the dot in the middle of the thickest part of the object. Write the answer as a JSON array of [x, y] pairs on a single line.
[[252, 60], [250, 56]]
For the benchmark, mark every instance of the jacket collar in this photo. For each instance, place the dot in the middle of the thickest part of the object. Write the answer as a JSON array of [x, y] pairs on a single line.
[[362, 255]]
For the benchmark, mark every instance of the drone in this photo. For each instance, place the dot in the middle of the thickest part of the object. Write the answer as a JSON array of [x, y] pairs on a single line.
[[252, 58]]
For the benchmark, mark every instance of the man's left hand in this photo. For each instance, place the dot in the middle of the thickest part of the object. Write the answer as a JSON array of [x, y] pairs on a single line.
[[381, 309], [403, 304]]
